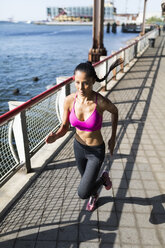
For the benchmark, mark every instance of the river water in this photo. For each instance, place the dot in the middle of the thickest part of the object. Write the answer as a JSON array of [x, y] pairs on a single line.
[[46, 52]]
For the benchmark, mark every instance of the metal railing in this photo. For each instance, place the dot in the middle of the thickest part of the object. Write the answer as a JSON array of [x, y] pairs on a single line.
[[24, 128]]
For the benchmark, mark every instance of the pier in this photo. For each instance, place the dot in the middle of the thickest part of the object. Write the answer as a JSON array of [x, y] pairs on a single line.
[[46, 210]]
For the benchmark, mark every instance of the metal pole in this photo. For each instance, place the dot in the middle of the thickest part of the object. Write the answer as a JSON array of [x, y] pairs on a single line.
[[163, 8], [97, 49], [144, 13], [25, 142]]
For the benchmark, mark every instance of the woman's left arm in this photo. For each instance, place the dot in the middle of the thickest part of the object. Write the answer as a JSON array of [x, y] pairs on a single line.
[[110, 107]]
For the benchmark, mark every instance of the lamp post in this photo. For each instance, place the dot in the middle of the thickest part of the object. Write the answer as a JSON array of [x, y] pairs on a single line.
[[144, 13]]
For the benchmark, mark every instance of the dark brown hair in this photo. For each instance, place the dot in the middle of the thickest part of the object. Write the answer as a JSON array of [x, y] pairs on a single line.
[[88, 68]]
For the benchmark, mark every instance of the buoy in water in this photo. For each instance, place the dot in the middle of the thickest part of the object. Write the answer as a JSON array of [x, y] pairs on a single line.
[[16, 91], [35, 79]]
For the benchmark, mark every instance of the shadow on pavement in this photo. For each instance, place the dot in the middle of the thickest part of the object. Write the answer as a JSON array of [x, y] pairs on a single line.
[[157, 215]]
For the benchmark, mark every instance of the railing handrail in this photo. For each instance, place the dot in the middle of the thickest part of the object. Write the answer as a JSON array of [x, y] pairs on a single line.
[[10, 114], [114, 54], [123, 49]]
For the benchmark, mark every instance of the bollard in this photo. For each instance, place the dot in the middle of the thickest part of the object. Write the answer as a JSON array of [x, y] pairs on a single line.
[[152, 42]]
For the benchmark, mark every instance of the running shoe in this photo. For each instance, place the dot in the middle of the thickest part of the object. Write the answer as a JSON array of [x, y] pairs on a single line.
[[92, 203], [107, 182]]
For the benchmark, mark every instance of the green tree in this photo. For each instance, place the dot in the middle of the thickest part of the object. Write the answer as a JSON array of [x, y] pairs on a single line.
[[153, 19]]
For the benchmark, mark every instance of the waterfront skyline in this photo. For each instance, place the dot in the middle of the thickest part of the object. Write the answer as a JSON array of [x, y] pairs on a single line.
[[21, 10]]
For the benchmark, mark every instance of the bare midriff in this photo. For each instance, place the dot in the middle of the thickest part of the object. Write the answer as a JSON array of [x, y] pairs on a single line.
[[89, 138]]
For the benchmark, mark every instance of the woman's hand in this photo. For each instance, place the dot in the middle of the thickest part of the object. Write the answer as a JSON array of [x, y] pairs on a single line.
[[111, 145], [52, 137]]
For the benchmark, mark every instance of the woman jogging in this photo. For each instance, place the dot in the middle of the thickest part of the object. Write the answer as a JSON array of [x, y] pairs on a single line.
[[84, 110]]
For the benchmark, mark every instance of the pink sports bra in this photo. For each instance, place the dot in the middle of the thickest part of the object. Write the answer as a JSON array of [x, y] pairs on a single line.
[[93, 123]]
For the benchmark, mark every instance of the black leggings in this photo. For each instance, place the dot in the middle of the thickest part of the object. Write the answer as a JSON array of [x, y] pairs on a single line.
[[89, 160]]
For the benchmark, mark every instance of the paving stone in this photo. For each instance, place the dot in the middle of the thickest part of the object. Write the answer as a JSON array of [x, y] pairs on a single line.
[[117, 174], [127, 220], [68, 232], [121, 193], [71, 203], [143, 166], [89, 245], [141, 205], [51, 216], [88, 218], [45, 244], [160, 176], [108, 219], [117, 165], [141, 159], [151, 185], [134, 175], [138, 193], [7, 243], [105, 203], [24, 243], [161, 231], [6, 236], [47, 233], [162, 185], [104, 245], [69, 215], [131, 246], [109, 236], [153, 193], [147, 175], [129, 236], [88, 233], [67, 245], [136, 184], [28, 233], [149, 236], [128, 166], [125, 206], [143, 220]]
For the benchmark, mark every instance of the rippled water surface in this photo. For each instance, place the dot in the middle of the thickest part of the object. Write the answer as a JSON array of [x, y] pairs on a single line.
[[46, 52]]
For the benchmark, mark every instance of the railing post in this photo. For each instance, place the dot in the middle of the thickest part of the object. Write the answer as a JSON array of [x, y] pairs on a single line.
[[114, 74], [122, 67], [67, 89], [25, 141], [106, 80], [135, 49], [102, 72]]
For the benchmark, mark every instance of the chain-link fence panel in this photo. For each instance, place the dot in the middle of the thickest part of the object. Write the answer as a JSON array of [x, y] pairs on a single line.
[[8, 156], [72, 87], [41, 119]]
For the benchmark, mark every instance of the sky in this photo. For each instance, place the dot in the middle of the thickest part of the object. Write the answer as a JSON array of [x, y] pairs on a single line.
[[21, 10]]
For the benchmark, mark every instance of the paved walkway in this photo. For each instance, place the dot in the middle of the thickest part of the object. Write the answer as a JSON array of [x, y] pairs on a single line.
[[49, 213]]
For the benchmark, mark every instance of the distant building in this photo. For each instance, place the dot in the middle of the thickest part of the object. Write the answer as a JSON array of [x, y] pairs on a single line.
[[109, 11], [79, 13], [134, 18], [126, 18]]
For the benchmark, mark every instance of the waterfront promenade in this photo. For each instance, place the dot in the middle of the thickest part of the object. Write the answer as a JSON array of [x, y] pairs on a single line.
[[49, 212]]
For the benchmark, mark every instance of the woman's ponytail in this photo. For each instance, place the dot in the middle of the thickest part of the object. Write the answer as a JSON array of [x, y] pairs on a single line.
[[115, 64], [90, 71]]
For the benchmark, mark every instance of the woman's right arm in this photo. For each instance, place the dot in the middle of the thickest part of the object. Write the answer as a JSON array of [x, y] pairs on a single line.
[[52, 137]]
